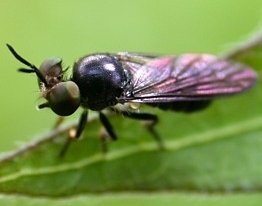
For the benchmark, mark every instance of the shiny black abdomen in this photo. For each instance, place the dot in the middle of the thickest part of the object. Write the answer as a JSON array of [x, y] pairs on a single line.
[[101, 79], [182, 106]]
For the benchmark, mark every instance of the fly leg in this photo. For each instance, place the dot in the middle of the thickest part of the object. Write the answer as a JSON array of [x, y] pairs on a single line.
[[109, 130], [151, 121], [58, 122], [75, 133]]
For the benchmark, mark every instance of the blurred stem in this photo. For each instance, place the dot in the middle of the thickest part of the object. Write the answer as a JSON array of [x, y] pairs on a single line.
[[250, 44]]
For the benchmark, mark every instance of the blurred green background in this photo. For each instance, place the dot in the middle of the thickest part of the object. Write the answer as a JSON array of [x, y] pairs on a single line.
[[70, 29]]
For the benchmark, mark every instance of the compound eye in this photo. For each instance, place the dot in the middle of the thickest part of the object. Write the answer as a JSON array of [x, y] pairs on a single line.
[[51, 67], [64, 98]]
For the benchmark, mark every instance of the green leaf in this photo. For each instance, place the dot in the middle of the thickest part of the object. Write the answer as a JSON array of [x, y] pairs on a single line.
[[216, 150]]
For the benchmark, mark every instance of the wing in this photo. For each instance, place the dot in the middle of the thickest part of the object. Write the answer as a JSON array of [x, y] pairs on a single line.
[[186, 77]]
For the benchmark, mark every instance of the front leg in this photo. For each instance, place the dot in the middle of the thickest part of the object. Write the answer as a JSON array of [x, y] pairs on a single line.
[[75, 133]]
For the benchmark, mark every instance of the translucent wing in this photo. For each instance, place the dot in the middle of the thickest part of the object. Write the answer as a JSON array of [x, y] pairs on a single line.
[[185, 77]]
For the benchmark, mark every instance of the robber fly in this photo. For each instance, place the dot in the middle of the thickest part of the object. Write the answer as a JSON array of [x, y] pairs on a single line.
[[185, 83]]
